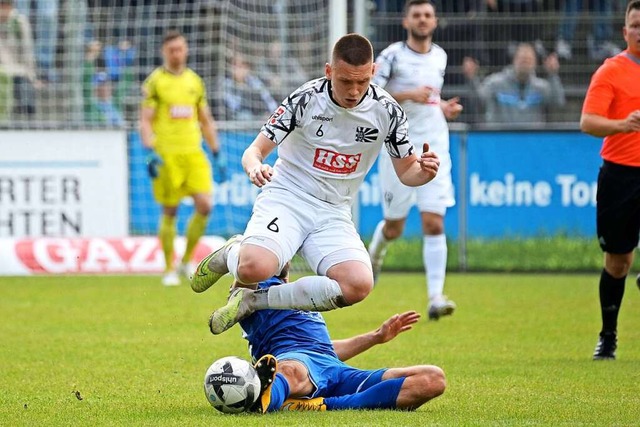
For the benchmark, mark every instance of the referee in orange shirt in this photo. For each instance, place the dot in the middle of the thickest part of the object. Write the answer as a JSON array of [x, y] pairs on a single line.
[[612, 110]]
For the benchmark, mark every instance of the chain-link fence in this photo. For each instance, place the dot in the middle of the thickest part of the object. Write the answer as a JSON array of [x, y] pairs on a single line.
[[76, 64]]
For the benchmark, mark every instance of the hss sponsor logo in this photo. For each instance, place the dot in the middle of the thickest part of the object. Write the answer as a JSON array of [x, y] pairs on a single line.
[[334, 162]]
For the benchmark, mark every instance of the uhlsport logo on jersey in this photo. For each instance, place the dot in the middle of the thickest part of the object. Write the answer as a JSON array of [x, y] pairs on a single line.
[[364, 134], [334, 162]]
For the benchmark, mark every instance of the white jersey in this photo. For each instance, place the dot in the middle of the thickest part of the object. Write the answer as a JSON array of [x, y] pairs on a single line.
[[325, 150], [399, 68]]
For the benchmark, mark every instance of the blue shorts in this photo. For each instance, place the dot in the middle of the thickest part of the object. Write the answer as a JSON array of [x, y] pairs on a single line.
[[332, 377]]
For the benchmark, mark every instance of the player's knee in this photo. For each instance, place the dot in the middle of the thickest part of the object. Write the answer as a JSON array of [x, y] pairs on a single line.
[[432, 382], [617, 268], [204, 210], [297, 377], [356, 289], [203, 207], [170, 211], [392, 230], [254, 269], [422, 383], [433, 229]]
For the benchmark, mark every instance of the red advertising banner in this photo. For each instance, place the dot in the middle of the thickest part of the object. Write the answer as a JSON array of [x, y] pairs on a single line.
[[91, 255]]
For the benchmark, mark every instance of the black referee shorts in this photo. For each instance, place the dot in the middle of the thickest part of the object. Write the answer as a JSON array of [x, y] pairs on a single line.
[[618, 208]]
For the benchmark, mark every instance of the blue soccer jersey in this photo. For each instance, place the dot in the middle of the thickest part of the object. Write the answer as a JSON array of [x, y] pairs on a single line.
[[281, 331]]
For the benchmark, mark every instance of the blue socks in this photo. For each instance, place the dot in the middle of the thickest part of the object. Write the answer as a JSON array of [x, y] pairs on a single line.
[[279, 392], [380, 396]]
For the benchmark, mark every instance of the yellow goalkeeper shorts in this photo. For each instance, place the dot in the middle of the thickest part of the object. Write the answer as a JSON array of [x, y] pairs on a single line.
[[180, 175]]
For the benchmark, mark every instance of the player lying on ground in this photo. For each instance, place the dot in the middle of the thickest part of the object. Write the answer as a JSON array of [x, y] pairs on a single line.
[[303, 369]]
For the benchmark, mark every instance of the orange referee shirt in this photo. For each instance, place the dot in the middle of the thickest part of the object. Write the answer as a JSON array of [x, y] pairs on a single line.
[[614, 93]]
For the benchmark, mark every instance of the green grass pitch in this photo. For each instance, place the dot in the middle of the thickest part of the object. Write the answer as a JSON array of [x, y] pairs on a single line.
[[126, 351]]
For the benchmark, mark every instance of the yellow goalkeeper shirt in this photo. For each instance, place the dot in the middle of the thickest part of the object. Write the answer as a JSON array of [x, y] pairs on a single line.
[[176, 100]]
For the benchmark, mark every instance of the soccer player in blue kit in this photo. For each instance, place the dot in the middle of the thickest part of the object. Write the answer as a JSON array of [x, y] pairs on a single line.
[[302, 369]]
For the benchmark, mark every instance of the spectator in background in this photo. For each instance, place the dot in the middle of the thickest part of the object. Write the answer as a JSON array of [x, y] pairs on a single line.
[[17, 60], [46, 25], [281, 71], [119, 61], [108, 113], [89, 72], [465, 32], [516, 95], [516, 26], [245, 96], [599, 42]]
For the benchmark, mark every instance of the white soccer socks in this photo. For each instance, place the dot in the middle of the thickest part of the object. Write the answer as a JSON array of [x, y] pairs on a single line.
[[434, 255], [314, 293]]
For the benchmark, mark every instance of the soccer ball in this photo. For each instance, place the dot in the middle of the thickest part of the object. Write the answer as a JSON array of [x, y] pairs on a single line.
[[231, 385]]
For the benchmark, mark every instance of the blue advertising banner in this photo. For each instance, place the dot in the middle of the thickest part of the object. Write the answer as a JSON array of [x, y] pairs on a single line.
[[532, 184], [233, 194], [518, 184]]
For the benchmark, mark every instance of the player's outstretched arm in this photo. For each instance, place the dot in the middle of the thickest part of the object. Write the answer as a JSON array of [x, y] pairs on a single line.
[[254, 155], [390, 328], [415, 171]]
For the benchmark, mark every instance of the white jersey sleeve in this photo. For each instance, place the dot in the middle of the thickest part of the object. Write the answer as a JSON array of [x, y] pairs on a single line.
[[288, 115], [385, 64], [397, 141]]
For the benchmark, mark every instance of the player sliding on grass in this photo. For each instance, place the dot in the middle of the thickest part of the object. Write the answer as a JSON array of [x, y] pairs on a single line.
[[303, 369], [328, 133]]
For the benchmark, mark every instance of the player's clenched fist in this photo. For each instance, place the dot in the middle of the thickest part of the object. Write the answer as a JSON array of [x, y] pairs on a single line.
[[429, 161], [260, 175]]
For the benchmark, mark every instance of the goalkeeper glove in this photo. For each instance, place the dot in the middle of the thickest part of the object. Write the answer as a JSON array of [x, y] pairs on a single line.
[[153, 164], [220, 163]]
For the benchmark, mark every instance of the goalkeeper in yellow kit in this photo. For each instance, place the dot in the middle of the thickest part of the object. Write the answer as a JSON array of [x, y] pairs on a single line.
[[174, 118]]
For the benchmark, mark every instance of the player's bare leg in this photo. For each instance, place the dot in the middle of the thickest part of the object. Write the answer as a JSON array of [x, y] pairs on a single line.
[[422, 383], [386, 231], [399, 388]]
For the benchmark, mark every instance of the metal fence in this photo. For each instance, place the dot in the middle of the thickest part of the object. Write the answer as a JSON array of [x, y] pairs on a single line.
[[78, 47]]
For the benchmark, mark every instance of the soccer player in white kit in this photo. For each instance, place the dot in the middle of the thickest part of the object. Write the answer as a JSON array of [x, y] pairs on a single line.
[[413, 73], [328, 134]]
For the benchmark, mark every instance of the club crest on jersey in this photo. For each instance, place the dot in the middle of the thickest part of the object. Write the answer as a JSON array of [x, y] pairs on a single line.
[[364, 134], [334, 162], [276, 114]]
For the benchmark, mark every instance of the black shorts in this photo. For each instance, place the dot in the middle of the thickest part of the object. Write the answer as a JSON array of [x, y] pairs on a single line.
[[618, 208]]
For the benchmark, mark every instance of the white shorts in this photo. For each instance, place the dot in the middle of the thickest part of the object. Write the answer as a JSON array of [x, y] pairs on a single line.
[[285, 222], [397, 199]]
